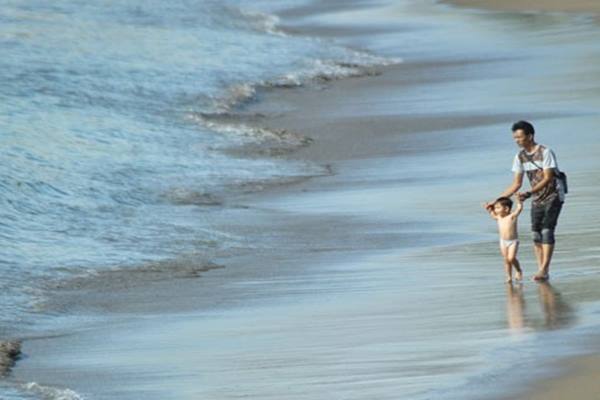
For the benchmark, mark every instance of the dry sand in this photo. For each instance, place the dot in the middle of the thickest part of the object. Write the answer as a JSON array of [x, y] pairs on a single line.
[[574, 6]]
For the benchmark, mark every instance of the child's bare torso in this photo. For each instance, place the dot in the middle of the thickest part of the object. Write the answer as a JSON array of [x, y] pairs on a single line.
[[507, 227]]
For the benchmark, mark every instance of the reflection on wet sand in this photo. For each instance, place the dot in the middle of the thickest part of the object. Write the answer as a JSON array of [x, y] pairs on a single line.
[[515, 307], [556, 311]]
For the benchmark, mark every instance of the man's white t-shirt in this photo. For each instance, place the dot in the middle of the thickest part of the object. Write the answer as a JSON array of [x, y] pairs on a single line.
[[530, 164]]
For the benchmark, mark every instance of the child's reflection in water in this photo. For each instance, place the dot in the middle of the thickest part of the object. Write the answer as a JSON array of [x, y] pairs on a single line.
[[515, 307]]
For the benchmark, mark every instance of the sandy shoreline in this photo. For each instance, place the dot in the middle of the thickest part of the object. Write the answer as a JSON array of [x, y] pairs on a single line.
[[581, 376], [577, 6], [581, 382], [323, 233]]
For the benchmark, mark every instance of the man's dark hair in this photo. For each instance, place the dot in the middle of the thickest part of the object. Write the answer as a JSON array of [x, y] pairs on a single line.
[[504, 202], [524, 126]]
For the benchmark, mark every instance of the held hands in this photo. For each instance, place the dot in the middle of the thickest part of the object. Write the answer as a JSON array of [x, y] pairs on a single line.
[[521, 196]]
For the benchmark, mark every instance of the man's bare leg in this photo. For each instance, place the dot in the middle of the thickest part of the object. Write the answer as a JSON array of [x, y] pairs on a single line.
[[539, 254], [548, 251], [544, 271]]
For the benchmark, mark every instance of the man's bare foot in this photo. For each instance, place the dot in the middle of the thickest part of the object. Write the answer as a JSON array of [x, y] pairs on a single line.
[[541, 277], [519, 275], [508, 279]]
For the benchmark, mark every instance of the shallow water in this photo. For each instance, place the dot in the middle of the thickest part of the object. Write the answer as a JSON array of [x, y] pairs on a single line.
[[125, 172], [105, 161]]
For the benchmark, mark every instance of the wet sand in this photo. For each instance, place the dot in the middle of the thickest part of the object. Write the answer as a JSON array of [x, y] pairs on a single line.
[[582, 377], [359, 256], [582, 382], [577, 6]]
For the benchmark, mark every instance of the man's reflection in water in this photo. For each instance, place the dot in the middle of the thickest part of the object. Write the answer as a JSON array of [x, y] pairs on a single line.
[[515, 307], [556, 312]]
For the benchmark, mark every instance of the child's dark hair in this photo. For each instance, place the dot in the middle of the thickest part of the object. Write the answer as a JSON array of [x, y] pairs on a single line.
[[524, 126], [504, 202]]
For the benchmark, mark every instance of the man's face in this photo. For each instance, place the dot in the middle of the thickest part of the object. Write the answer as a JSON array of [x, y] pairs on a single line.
[[521, 138]]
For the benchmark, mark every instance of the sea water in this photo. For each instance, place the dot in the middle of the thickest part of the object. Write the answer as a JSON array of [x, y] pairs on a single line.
[[112, 145], [118, 140]]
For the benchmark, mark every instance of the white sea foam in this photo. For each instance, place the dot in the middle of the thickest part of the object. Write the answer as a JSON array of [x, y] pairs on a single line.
[[224, 120], [234, 96], [354, 63], [268, 23], [51, 393], [229, 126]]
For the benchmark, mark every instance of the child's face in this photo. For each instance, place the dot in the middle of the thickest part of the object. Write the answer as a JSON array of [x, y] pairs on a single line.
[[501, 210]]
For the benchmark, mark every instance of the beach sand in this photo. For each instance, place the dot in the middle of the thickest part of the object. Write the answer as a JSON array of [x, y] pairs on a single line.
[[582, 381], [359, 255], [576, 6]]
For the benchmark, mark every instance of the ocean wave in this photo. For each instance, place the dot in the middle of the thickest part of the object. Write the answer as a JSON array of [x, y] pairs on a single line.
[[263, 22], [189, 197], [124, 277], [231, 124], [248, 19], [322, 70], [235, 96], [261, 185], [51, 393], [318, 71], [252, 138], [223, 118]]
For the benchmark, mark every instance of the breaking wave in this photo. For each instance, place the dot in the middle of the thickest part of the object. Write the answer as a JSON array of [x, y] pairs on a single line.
[[316, 72], [248, 131], [224, 116], [50, 393], [264, 22]]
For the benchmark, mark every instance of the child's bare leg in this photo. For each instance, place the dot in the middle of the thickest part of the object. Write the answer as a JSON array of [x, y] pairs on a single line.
[[508, 271], [507, 264], [512, 257], [519, 271]]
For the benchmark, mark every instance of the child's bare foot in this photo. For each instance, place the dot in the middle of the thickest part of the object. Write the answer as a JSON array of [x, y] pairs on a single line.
[[519, 275], [541, 276], [508, 279]]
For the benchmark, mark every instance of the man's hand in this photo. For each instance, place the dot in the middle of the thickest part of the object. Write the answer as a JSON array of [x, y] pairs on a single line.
[[521, 196], [519, 200]]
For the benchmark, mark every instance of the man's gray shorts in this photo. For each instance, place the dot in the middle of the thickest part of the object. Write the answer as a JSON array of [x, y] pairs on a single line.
[[543, 220]]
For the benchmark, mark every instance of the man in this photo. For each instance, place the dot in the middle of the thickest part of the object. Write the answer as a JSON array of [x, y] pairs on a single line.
[[539, 163]]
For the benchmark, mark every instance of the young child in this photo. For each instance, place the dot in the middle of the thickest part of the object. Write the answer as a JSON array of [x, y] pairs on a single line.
[[500, 210]]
